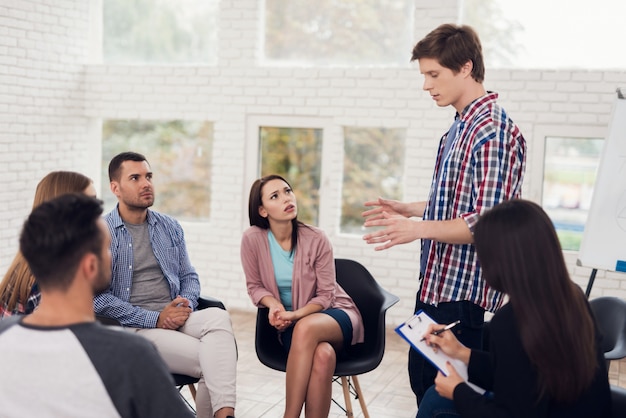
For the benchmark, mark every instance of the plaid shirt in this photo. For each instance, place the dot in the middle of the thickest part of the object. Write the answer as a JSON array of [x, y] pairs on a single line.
[[168, 243], [31, 303], [485, 166]]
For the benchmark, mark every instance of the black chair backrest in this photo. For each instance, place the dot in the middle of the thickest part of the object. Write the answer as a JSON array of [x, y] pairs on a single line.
[[357, 281], [373, 302], [610, 315], [618, 401], [268, 349]]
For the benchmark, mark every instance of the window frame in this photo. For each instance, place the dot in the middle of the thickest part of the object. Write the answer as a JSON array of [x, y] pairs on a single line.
[[535, 173], [252, 157]]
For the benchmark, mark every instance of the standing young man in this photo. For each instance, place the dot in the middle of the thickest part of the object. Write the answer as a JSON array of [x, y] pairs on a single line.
[[154, 290], [480, 163], [58, 361]]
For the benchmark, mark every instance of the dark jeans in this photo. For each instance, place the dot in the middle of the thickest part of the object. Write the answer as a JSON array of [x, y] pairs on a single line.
[[469, 332], [435, 406]]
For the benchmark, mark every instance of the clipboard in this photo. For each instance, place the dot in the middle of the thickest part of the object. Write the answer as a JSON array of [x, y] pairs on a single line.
[[413, 330]]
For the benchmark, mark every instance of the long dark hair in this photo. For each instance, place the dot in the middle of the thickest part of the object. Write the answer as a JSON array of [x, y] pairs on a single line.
[[520, 255], [255, 202]]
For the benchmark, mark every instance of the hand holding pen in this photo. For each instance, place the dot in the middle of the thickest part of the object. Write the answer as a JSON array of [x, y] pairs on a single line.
[[438, 339], [440, 330]]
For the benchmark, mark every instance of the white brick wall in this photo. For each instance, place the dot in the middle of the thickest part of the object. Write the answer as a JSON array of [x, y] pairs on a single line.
[[42, 123], [51, 101]]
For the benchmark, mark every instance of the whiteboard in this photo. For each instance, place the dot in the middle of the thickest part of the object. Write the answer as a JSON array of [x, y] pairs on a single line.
[[604, 240]]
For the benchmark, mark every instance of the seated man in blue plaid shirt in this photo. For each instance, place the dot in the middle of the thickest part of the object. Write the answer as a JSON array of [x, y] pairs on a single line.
[[154, 290]]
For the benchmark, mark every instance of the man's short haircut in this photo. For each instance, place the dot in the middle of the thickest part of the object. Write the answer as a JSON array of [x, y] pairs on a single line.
[[452, 46], [56, 236], [116, 163]]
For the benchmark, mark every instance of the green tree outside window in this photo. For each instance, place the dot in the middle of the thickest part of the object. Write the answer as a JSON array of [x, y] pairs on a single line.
[[373, 166], [179, 153], [295, 154]]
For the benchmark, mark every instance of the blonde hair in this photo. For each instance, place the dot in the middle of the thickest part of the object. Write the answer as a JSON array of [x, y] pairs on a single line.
[[18, 280]]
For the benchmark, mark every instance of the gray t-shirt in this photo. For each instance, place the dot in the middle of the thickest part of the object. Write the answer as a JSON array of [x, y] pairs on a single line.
[[150, 289], [83, 370]]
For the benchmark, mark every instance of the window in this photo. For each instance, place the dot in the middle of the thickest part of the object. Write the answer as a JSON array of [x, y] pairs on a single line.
[[159, 31], [179, 153], [295, 154], [570, 168], [564, 34], [373, 166], [339, 32]]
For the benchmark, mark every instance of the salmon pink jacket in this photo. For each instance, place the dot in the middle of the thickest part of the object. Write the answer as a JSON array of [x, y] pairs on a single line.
[[314, 279]]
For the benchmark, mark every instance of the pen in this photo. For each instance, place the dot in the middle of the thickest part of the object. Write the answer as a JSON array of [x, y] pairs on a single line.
[[447, 327]]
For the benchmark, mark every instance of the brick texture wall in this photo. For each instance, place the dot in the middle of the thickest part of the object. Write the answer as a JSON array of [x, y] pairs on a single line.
[[43, 127], [52, 98]]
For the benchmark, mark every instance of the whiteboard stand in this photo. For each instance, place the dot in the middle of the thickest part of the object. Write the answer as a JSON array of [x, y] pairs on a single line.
[[592, 278], [603, 246]]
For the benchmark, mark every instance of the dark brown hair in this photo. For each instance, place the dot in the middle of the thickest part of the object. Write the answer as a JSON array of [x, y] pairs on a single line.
[[57, 235], [116, 163], [256, 201], [520, 255], [453, 46]]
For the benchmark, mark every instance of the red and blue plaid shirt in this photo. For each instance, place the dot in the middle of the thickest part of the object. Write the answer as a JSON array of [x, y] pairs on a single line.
[[484, 166]]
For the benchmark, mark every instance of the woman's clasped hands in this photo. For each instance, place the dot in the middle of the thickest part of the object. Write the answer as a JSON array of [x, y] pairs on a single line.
[[279, 318]]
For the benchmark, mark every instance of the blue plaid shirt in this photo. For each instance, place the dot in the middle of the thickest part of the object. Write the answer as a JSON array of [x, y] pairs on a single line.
[[31, 303], [484, 166], [168, 243]]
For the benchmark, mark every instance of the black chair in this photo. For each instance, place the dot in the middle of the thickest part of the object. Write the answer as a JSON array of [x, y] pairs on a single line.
[[610, 314], [180, 380], [373, 302], [618, 401]]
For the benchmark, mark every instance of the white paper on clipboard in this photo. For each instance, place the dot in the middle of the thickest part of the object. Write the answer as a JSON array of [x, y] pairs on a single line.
[[413, 330]]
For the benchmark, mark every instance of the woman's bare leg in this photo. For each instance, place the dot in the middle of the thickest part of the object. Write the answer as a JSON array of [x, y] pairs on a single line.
[[308, 333], [319, 393]]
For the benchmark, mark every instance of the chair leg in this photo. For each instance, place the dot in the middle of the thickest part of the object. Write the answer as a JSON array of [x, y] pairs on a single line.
[[192, 389], [345, 384], [359, 395]]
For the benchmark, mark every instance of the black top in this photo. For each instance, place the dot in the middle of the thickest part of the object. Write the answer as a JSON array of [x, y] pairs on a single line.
[[507, 372]]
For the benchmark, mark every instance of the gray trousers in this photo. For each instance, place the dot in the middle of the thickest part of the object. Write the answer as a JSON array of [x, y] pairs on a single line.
[[205, 348]]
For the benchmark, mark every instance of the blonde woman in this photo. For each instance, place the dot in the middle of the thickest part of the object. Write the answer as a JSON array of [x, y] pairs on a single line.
[[19, 294]]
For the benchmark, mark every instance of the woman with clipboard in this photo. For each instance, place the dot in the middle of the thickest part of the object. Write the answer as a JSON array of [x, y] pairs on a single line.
[[545, 358]]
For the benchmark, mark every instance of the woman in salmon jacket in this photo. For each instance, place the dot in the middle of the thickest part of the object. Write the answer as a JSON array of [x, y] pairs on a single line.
[[290, 269]]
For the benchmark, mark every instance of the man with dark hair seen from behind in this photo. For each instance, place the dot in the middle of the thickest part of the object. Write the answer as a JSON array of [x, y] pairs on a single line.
[[154, 290], [480, 163], [58, 361]]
